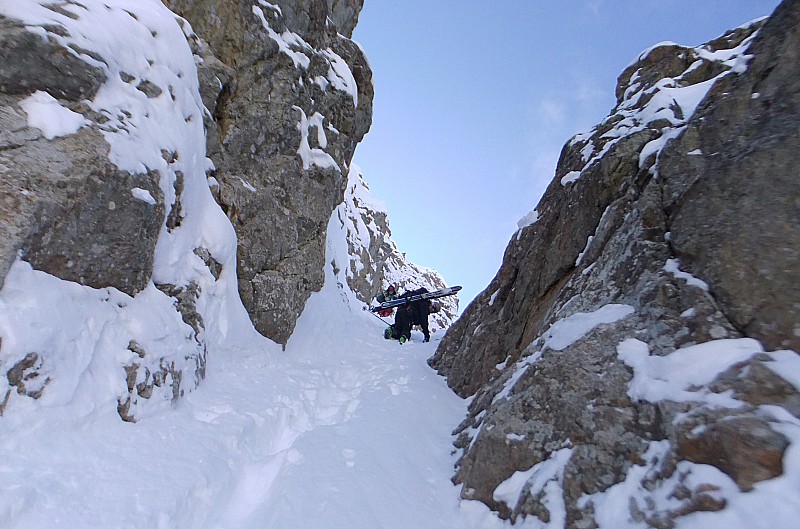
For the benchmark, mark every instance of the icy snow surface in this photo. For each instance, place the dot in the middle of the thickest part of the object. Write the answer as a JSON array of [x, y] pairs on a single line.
[[46, 114], [343, 429]]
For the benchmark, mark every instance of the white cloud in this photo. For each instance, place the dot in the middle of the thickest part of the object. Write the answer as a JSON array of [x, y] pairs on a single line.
[[594, 6], [553, 112]]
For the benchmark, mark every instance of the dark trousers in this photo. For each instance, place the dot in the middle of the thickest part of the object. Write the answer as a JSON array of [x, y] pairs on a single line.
[[402, 321], [408, 316]]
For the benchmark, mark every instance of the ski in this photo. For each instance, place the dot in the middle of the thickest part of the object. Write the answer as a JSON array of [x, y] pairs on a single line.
[[449, 291]]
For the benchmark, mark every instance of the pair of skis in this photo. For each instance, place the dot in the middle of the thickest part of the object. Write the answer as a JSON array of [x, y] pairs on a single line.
[[449, 291]]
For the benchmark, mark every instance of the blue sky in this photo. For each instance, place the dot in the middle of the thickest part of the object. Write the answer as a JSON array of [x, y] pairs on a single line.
[[474, 100]]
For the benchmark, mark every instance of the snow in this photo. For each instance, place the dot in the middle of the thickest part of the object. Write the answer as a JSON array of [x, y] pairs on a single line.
[[340, 76], [678, 376], [327, 433], [570, 177], [682, 376], [247, 185], [322, 82], [670, 102], [46, 114], [81, 336], [493, 297], [284, 41], [274, 7], [673, 267], [546, 476], [561, 335], [298, 50], [590, 239], [643, 55], [529, 219], [316, 155], [787, 365], [144, 195], [579, 259], [519, 370], [569, 330]]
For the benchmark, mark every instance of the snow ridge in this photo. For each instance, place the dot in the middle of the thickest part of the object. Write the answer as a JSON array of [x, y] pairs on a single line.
[[666, 104]]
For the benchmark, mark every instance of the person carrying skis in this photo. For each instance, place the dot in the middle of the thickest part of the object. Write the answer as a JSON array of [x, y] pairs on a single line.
[[388, 295], [413, 313]]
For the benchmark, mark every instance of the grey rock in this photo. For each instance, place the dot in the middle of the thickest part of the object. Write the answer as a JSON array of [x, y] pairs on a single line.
[[344, 13], [30, 62], [756, 383], [745, 448], [736, 227], [71, 213], [606, 237], [65, 207], [25, 376], [256, 97], [68, 211]]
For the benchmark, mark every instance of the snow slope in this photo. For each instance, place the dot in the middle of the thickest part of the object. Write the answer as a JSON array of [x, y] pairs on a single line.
[[343, 429]]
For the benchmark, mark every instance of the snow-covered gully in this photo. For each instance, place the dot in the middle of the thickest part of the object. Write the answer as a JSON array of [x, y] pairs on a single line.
[[343, 429]]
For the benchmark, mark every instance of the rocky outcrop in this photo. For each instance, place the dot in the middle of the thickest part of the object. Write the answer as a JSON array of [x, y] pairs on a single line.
[[103, 185], [289, 97], [733, 210], [344, 15], [375, 262], [64, 205], [612, 352]]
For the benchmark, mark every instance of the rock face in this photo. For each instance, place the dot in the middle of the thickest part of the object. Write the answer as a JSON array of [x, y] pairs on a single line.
[[106, 183], [375, 262], [289, 97], [667, 240], [103, 184], [64, 205]]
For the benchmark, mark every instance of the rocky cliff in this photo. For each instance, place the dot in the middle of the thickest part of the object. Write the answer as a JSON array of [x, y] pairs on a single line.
[[289, 96], [632, 359], [133, 161], [113, 250]]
